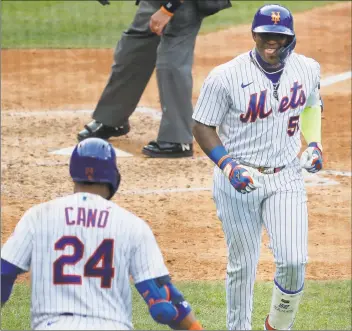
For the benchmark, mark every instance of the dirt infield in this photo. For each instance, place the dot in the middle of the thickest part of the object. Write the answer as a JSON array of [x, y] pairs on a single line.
[[37, 84]]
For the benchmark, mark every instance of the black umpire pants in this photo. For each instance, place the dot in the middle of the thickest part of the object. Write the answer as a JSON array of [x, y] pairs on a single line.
[[137, 54]]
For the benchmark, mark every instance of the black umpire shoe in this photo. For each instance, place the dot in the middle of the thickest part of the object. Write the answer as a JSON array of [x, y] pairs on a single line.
[[99, 130], [163, 149]]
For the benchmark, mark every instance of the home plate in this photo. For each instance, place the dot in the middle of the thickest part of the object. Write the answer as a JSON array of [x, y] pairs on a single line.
[[69, 150]]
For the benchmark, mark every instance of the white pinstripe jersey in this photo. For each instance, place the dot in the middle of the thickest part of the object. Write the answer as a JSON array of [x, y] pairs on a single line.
[[255, 128], [81, 250]]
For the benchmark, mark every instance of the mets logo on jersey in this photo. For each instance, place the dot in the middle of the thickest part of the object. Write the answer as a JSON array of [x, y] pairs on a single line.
[[256, 106], [89, 173], [275, 17]]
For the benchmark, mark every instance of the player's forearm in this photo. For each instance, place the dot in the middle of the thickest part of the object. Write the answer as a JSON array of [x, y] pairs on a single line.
[[167, 304], [206, 137], [9, 274], [211, 144], [311, 124]]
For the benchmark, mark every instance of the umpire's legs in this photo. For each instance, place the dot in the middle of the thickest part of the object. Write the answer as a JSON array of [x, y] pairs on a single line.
[[242, 224], [135, 57], [174, 74]]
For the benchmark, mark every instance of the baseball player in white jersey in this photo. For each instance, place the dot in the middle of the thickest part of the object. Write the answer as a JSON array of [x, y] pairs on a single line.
[[82, 249], [249, 116]]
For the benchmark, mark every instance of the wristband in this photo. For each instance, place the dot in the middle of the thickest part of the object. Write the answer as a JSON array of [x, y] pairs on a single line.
[[171, 6], [220, 156], [165, 11], [316, 145]]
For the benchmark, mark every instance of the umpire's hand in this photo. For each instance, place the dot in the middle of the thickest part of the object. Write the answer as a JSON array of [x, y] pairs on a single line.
[[158, 22]]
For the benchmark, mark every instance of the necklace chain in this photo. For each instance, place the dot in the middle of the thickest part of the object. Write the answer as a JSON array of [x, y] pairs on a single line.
[[275, 85], [262, 69]]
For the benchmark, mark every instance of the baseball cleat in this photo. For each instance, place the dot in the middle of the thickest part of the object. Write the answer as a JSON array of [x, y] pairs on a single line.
[[96, 129], [162, 149], [267, 325]]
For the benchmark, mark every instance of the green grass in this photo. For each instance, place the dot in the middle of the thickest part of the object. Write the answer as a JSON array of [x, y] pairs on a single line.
[[325, 306], [243, 12], [80, 24]]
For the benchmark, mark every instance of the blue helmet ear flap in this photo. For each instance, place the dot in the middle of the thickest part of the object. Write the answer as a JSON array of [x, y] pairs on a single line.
[[287, 50], [113, 189]]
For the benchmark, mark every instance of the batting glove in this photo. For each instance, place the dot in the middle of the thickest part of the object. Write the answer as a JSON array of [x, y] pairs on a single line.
[[312, 158], [241, 177]]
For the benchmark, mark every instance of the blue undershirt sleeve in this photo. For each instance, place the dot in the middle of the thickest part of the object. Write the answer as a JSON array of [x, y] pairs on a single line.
[[9, 273]]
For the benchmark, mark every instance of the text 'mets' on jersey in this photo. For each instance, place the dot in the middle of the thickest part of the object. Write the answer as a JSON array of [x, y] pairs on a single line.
[[255, 127], [82, 250]]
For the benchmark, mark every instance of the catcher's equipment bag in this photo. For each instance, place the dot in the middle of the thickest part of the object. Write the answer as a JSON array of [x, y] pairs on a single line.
[[211, 7]]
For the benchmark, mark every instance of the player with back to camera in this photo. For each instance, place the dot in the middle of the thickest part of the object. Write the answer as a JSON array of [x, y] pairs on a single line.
[[260, 102], [81, 250]]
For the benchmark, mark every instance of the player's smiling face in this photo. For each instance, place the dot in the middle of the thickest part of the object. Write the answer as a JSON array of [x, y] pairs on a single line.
[[268, 45]]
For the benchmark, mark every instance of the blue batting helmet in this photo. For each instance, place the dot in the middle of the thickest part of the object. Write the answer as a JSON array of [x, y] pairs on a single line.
[[275, 19], [94, 160]]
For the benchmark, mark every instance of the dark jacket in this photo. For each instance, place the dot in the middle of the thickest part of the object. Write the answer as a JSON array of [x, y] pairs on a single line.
[[207, 7], [211, 7]]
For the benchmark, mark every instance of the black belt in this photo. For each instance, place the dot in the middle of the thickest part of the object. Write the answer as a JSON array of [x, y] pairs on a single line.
[[71, 314]]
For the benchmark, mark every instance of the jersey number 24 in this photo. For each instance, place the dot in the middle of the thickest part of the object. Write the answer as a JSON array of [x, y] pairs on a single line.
[[104, 254]]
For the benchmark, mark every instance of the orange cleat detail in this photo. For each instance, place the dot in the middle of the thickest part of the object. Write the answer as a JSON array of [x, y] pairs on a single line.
[[195, 326], [267, 325]]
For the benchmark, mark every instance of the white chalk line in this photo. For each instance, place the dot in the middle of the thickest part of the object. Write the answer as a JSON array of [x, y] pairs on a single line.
[[336, 173], [341, 173], [336, 78], [311, 180], [165, 191], [155, 114], [69, 150]]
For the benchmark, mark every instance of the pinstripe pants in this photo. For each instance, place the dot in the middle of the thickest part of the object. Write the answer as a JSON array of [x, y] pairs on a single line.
[[79, 323], [281, 206]]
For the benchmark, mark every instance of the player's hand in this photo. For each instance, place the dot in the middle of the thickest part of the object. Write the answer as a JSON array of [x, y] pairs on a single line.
[[312, 158], [158, 22], [242, 178]]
